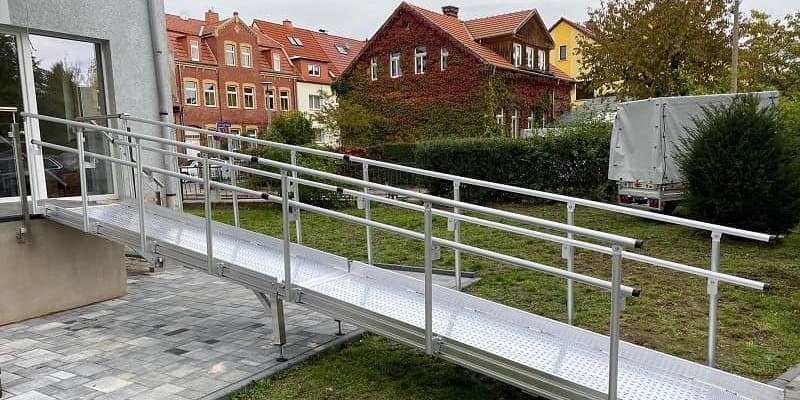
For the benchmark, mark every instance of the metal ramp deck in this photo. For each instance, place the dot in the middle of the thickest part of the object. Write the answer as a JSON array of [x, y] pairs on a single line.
[[534, 353]]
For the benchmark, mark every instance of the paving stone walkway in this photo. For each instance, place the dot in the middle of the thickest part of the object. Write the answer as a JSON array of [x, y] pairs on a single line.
[[178, 334]]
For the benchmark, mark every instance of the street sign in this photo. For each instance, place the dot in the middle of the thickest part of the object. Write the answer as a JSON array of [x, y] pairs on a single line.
[[223, 125]]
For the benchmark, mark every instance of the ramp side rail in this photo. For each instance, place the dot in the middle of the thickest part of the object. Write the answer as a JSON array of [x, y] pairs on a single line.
[[290, 205], [717, 231]]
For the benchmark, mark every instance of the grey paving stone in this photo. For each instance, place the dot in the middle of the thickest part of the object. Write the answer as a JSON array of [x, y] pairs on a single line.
[[107, 384]]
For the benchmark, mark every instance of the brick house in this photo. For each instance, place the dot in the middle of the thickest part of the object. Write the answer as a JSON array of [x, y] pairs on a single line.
[[225, 71], [425, 74], [319, 58]]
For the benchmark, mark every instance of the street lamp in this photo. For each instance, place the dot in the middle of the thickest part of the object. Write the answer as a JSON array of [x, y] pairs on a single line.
[[267, 86]]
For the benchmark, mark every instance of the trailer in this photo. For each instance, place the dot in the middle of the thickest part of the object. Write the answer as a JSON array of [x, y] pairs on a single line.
[[645, 141]]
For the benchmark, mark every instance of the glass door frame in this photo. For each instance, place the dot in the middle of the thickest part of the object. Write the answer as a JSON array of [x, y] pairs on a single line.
[[36, 173]]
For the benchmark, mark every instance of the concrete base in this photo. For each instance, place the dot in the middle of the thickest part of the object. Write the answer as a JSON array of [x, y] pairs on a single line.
[[60, 269]]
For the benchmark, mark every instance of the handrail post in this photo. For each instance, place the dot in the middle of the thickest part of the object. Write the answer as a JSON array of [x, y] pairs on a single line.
[[296, 193], [570, 256], [713, 296], [24, 235], [616, 310], [233, 171], [457, 233], [367, 213], [82, 177], [208, 216], [428, 280], [287, 239], [139, 190]]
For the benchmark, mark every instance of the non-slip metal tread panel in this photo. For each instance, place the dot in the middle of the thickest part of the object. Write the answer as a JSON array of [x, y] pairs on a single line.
[[554, 348]]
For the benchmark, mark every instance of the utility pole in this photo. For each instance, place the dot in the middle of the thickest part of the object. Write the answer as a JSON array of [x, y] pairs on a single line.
[[735, 48]]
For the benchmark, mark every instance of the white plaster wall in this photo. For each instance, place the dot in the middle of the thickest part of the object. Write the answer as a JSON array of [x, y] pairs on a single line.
[[304, 89]]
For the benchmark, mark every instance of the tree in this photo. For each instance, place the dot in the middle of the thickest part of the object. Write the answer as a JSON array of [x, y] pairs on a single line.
[[292, 128], [740, 168], [350, 120], [652, 48], [770, 54]]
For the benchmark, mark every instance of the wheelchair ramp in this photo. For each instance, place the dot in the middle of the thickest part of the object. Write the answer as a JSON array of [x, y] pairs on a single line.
[[534, 353]]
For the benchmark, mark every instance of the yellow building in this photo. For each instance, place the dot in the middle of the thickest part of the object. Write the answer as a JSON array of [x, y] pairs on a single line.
[[567, 36]]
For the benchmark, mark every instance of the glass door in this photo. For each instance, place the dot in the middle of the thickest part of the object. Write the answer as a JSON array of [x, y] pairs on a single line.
[[10, 96]]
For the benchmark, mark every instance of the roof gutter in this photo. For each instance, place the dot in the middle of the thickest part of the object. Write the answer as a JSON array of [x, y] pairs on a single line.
[[158, 36]]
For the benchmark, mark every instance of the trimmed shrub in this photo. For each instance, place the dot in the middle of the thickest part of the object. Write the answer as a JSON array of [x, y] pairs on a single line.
[[574, 163], [293, 128], [740, 168]]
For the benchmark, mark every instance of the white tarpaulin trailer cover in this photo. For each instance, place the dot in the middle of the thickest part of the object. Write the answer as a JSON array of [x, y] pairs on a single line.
[[647, 135]]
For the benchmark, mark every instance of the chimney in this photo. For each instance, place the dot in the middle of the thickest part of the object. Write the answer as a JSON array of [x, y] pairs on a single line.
[[450, 11], [287, 23], [211, 17]]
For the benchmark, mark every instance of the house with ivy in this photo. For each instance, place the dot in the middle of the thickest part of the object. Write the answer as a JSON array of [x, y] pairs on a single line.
[[427, 75]]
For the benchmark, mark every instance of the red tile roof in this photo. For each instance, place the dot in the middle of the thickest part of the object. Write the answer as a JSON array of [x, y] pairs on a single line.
[[329, 43], [281, 33], [188, 26], [582, 29], [497, 25]]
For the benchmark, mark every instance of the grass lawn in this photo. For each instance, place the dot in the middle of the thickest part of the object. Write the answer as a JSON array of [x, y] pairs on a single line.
[[759, 333]]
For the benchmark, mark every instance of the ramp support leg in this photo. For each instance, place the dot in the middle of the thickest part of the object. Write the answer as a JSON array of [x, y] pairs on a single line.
[[616, 310], [428, 280], [713, 295], [275, 307], [570, 255]]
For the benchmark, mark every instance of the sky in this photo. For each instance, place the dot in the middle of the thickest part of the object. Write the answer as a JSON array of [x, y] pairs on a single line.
[[359, 19]]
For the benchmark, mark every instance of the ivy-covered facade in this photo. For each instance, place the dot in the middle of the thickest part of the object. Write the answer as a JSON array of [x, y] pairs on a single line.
[[424, 75]]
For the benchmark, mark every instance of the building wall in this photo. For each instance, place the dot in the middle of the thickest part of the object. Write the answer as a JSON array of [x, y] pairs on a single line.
[[563, 34], [306, 89]]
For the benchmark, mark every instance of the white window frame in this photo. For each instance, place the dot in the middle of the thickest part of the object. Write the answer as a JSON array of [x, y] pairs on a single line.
[[269, 99], [420, 59], [230, 54], [212, 91], [516, 57], [444, 53], [529, 54], [286, 98], [373, 68], [515, 124], [314, 70], [500, 118], [235, 94], [235, 144], [187, 90], [251, 96], [315, 102], [542, 60], [194, 50], [276, 62], [247, 56], [530, 120], [394, 65]]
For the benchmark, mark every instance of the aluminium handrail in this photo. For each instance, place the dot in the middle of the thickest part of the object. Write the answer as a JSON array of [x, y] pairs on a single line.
[[613, 238]]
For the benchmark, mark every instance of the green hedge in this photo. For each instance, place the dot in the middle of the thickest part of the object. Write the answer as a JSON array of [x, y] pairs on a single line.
[[574, 163]]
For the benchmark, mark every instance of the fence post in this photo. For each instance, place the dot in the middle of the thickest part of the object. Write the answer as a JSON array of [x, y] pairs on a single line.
[[82, 177], [570, 256], [298, 225], [367, 213], [207, 199], [24, 235], [616, 309], [713, 296], [139, 190], [428, 280], [234, 172], [457, 233], [287, 239]]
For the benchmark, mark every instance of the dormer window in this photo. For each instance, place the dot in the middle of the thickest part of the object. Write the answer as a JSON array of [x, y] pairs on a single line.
[[517, 55], [542, 60], [529, 56], [194, 50], [276, 62], [294, 40], [313, 69], [420, 59], [341, 49]]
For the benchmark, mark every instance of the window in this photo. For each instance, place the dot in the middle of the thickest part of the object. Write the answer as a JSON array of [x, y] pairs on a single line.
[[542, 60], [190, 93], [517, 57], [246, 59], [212, 141], [420, 59], [276, 62], [394, 65], [249, 94], [284, 100], [210, 94], [252, 133], [194, 50], [530, 120], [233, 96], [234, 144], [500, 117], [294, 40], [529, 56], [443, 58], [314, 102], [270, 99], [373, 68], [313, 69], [515, 124], [562, 52], [342, 49], [230, 54]]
